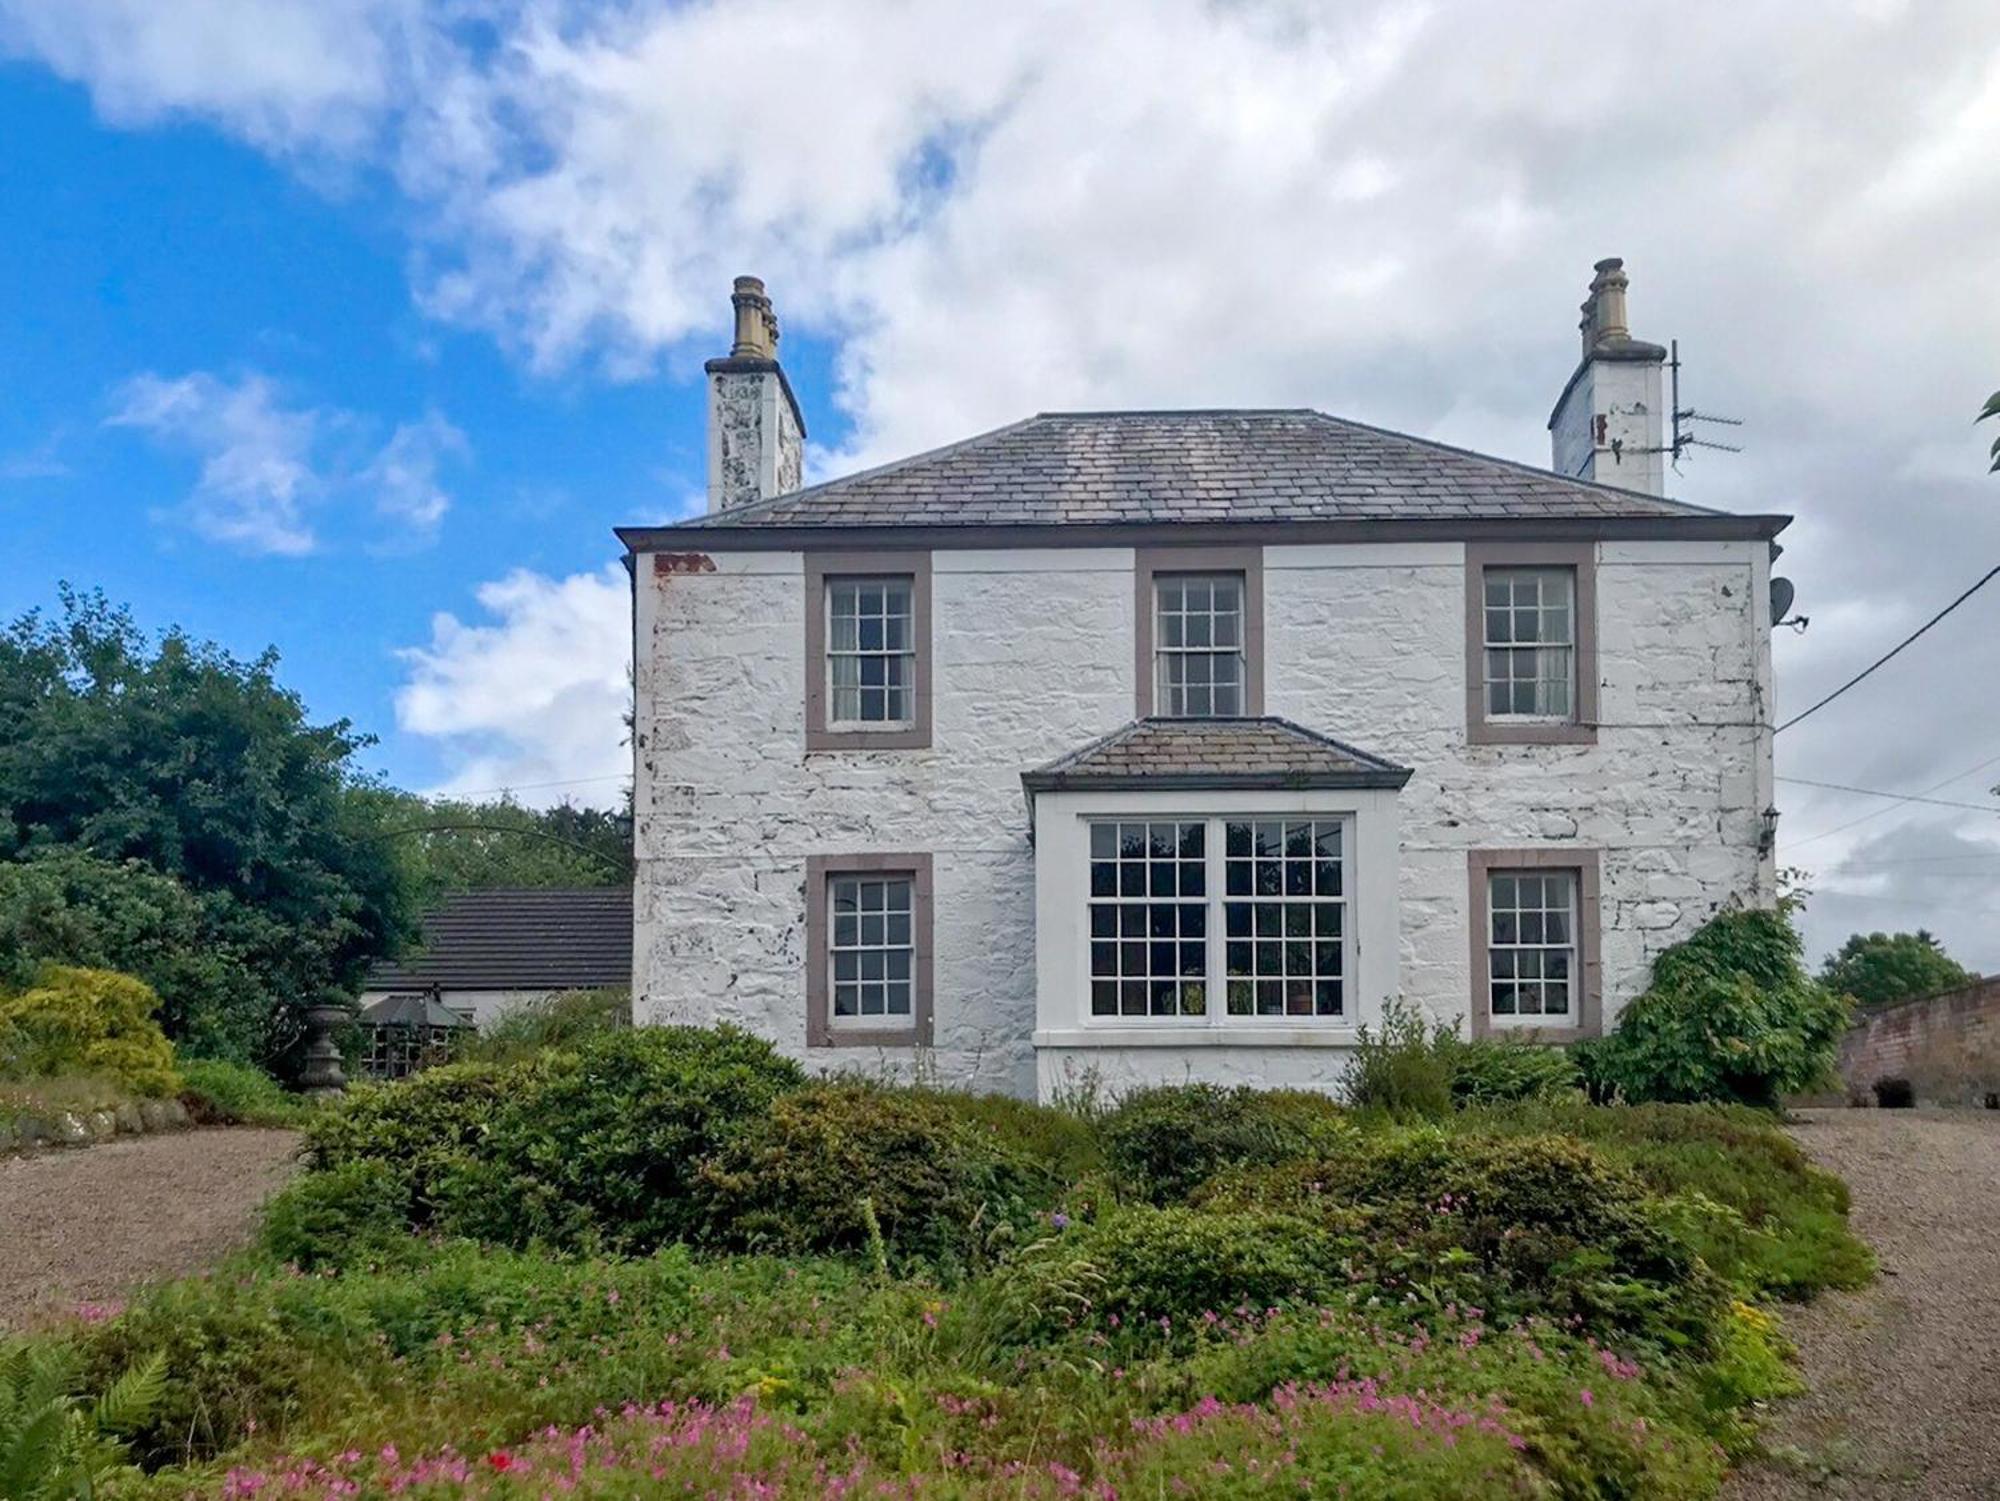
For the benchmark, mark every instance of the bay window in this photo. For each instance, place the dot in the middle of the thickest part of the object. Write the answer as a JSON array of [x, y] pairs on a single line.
[[1253, 910]]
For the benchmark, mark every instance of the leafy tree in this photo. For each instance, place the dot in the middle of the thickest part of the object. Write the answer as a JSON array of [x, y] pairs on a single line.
[[1876, 968], [449, 844], [203, 768]]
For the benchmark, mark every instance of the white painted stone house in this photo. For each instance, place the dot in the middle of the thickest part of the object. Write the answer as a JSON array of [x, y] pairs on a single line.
[[1160, 745]]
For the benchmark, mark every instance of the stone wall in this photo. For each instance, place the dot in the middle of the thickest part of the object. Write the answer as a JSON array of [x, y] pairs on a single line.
[[1034, 656], [1947, 1045]]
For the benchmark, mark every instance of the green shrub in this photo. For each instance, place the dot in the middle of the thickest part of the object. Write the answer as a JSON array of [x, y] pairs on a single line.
[[605, 1142], [549, 1022], [1731, 1015], [809, 1175], [1163, 1142], [337, 1217], [90, 1021], [428, 1128], [220, 1093], [1064, 1142], [1151, 1270], [1405, 1068], [1520, 1226], [1489, 1072]]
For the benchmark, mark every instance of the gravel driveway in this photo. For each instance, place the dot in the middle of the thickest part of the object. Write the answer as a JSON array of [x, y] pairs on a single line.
[[88, 1225], [1904, 1376]]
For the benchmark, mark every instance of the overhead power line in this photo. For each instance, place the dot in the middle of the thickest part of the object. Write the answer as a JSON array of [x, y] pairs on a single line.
[[1900, 797], [1873, 813], [1991, 574]]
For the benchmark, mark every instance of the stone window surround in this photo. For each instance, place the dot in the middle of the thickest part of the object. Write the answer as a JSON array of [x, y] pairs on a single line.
[[822, 566], [1581, 728], [1584, 863], [820, 1030], [1248, 561]]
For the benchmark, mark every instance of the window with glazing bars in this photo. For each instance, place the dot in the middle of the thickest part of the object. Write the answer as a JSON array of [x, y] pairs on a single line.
[[1198, 645], [1285, 918], [870, 651], [1148, 919], [1531, 958], [871, 947], [1530, 639]]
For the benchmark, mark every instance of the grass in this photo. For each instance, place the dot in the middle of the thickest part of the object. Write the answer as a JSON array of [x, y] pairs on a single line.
[[218, 1093]]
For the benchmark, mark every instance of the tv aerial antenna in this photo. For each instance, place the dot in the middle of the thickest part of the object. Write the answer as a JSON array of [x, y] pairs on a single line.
[[1685, 417]]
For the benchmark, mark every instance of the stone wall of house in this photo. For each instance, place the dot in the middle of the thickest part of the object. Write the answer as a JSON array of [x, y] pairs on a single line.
[[1947, 1045], [1034, 656], [748, 415]]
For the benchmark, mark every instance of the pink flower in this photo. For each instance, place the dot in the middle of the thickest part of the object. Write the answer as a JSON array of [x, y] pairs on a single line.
[[1586, 1398]]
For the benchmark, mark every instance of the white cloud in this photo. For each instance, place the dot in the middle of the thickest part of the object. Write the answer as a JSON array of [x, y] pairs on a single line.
[[265, 468], [537, 696], [404, 476], [1382, 208], [257, 479]]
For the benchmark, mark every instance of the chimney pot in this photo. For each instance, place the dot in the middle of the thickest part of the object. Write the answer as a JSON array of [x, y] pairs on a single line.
[[756, 324], [1604, 313]]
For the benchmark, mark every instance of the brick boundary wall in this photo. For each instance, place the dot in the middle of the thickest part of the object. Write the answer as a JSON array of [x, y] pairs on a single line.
[[1947, 1044]]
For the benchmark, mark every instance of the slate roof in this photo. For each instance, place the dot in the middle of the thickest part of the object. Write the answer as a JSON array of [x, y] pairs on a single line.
[[551, 939], [1098, 468], [1213, 753]]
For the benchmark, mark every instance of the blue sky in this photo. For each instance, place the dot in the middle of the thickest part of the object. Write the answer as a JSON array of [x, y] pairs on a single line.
[[353, 326], [178, 250]]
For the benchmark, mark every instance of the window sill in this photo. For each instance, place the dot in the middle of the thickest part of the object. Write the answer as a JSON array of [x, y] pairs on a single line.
[[1529, 732], [904, 737], [1200, 1037]]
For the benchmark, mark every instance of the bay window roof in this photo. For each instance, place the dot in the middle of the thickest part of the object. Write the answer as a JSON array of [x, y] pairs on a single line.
[[1212, 754]]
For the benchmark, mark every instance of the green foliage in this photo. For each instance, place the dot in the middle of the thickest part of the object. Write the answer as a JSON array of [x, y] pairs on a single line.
[[220, 1093], [88, 1021], [204, 769], [1877, 968], [63, 906], [548, 1022], [1406, 1067], [428, 1128], [602, 1142], [1527, 1225], [832, 1165], [55, 1445], [451, 844], [339, 1217], [1731, 1015], [1492, 1072], [1161, 1143]]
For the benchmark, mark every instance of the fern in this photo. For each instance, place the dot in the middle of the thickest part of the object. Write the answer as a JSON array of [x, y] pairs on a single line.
[[55, 1445]]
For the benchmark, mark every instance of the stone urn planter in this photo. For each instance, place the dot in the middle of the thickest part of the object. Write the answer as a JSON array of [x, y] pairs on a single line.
[[323, 1076]]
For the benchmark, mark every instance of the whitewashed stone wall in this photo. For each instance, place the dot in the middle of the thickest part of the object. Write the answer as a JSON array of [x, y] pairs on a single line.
[[756, 449], [1627, 395], [1034, 656]]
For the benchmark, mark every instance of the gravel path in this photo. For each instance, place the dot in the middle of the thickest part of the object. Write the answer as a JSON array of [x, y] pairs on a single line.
[[1903, 1377], [90, 1224]]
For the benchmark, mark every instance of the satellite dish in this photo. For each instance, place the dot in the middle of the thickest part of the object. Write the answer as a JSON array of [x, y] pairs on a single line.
[[1782, 595]]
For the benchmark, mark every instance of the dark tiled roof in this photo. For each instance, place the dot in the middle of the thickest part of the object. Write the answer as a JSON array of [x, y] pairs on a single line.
[[554, 939], [1214, 753], [1082, 468], [411, 1009]]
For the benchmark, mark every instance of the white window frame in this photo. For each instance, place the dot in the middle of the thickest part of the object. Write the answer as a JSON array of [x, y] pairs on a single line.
[[1570, 646], [835, 583], [877, 1021], [1217, 1018], [1238, 651], [1572, 880]]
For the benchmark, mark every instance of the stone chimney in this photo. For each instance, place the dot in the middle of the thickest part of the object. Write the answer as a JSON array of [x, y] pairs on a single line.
[[756, 436], [1609, 425]]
